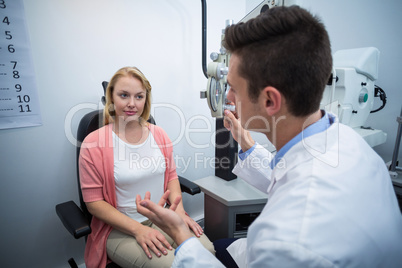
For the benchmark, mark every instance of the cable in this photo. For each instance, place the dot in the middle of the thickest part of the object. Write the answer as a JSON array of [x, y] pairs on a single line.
[[204, 36], [379, 92]]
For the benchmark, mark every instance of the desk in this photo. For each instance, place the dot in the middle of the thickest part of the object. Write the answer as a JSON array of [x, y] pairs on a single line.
[[229, 206]]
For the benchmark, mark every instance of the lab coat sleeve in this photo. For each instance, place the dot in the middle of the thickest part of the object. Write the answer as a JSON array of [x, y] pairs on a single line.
[[255, 169], [271, 253], [238, 251], [193, 254]]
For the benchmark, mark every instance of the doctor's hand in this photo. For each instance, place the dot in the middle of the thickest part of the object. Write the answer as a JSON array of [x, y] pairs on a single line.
[[166, 219], [242, 136]]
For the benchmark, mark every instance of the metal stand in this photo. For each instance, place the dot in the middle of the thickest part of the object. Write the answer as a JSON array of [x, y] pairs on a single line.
[[393, 168], [225, 152]]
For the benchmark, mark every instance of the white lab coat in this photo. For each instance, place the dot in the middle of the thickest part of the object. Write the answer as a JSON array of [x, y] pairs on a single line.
[[330, 204], [255, 169]]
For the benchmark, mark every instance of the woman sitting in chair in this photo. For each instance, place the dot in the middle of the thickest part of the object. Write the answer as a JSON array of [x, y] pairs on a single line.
[[126, 157]]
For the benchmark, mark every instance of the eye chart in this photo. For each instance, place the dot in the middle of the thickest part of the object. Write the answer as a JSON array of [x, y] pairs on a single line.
[[19, 105]]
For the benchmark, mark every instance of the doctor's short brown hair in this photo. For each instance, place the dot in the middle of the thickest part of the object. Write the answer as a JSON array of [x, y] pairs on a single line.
[[286, 48]]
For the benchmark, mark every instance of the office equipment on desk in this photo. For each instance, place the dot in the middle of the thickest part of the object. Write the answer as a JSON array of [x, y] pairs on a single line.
[[229, 206]]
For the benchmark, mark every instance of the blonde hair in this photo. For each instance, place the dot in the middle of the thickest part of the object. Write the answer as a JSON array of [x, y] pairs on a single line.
[[108, 112]]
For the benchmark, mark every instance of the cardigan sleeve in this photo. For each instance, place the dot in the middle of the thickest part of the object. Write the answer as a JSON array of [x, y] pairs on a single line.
[[91, 173], [170, 165]]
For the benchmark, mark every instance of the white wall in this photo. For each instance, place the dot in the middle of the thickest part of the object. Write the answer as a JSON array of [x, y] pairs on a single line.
[[76, 45]]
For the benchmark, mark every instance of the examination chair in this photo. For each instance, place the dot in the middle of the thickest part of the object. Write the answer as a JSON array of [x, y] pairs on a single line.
[[77, 220]]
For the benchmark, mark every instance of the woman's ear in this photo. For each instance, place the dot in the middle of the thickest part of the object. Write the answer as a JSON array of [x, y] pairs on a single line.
[[272, 100]]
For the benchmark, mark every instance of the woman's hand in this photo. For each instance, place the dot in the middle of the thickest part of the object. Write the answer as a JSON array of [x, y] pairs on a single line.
[[167, 219], [175, 192], [151, 239], [192, 224]]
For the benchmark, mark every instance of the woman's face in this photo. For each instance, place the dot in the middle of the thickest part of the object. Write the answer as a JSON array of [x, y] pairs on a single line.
[[129, 98]]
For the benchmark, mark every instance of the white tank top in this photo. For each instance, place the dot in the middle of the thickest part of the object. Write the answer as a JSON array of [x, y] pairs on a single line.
[[137, 169]]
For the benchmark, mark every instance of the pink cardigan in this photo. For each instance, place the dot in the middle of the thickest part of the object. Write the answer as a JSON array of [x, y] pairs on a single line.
[[96, 167]]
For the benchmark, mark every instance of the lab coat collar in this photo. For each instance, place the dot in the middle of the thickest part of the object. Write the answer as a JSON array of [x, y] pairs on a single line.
[[317, 127], [311, 142]]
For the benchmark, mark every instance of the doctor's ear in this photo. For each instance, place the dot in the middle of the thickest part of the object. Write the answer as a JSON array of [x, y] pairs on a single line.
[[272, 99]]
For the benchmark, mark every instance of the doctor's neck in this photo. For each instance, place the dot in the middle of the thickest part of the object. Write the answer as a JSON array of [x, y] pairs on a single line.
[[289, 126]]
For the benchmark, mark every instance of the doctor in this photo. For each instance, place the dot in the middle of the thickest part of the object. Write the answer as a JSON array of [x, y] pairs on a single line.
[[330, 198]]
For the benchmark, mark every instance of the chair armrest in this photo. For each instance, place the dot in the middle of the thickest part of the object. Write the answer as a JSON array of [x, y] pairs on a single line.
[[73, 219], [188, 186]]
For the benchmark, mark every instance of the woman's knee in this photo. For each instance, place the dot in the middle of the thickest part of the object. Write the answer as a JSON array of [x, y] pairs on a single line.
[[124, 250], [207, 243]]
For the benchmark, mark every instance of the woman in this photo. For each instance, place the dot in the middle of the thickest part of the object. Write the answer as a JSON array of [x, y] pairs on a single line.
[[126, 157]]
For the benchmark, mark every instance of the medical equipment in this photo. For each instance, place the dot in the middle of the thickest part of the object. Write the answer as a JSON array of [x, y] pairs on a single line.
[[226, 148], [350, 91], [217, 70], [217, 86], [349, 94]]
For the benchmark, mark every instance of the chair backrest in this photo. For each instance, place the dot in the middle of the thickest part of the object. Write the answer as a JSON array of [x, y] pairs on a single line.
[[89, 123]]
